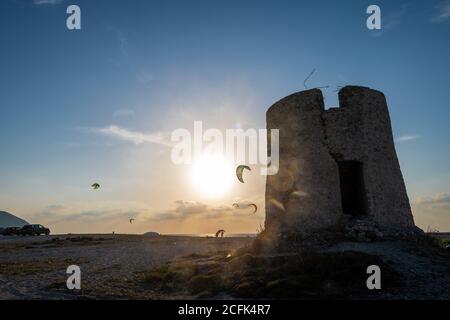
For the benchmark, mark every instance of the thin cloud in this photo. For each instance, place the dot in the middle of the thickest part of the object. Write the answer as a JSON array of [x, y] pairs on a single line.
[[442, 12], [390, 20], [183, 210], [101, 215], [123, 44], [407, 138], [440, 198], [53, 215], [123, 47], [432, 211], [144, 77], [132, 136], [55, 207], [188, 209], [46, 2], [123, 113]]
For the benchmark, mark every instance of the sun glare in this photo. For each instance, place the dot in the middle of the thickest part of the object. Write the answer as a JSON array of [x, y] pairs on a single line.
[[212, 175]]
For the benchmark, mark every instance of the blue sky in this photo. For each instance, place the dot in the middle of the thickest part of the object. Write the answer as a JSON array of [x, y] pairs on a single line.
[[148, 67]]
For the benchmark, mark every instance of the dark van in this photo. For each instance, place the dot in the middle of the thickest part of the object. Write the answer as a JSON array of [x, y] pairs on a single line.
[[34, 230]]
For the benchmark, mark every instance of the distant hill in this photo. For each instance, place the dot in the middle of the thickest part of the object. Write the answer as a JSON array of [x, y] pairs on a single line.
[[9, 220]]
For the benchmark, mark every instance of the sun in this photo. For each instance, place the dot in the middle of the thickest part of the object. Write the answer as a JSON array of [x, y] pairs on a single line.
[[212, 175]]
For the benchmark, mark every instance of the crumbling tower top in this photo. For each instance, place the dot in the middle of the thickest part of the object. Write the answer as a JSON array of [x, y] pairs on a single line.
[[338, 167]]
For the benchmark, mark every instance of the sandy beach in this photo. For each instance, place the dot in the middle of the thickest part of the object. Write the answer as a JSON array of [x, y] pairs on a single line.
[[35, 267], [115, 266]]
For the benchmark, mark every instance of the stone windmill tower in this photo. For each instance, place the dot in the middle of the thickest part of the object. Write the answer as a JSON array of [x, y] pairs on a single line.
[[338, 167]]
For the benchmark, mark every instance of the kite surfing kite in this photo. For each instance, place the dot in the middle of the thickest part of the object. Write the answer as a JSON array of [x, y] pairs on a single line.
[[220, 232], [254, 206], [95, 186], [240, 170], [131, 220]]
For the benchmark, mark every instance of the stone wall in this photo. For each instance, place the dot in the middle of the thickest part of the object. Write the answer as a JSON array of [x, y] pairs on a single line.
[[305, 195]]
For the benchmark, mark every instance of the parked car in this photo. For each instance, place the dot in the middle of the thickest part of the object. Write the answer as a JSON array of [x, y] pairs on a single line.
[[34, 230], [11, 231]]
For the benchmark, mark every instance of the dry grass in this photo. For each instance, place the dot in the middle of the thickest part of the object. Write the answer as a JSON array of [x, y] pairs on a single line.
[[307, 275]]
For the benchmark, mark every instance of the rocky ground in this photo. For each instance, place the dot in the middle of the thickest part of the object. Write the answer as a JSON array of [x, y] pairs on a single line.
[[35, 267], [425, 269], [168, 267]]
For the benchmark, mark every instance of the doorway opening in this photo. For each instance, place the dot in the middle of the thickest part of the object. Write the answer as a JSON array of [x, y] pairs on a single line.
[[353, 192]]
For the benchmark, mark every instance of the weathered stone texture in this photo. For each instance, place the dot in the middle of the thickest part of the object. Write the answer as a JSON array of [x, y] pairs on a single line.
[[305, 195]]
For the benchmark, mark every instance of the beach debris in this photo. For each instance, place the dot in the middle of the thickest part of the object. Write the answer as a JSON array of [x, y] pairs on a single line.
[[95, 185], [240, 170], [131, 220], [220, 232]]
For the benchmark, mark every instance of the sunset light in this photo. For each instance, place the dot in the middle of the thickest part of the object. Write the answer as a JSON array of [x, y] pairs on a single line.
[[238, 159], [212, 175]]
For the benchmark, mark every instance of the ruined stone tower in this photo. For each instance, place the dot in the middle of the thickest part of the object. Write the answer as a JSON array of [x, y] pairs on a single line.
[[338, 167]]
